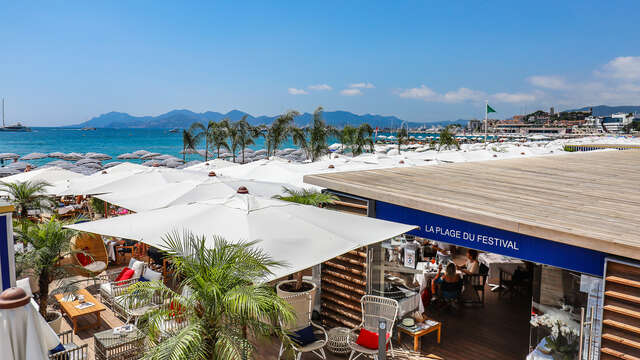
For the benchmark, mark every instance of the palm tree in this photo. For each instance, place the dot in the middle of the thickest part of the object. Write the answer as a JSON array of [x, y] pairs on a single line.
[[299, 137], [198, 129], [228, 300], [189, 143], [362, 139], [447, 140], [246, 134], [232, 133], [27, 195], [219, 135], [346, 136], [318, 136], [306, 197], [279, 130], [403, 137], [50, 243]]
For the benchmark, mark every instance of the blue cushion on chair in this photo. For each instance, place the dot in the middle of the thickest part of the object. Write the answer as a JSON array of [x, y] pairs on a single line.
[[304, 336], [143, 279], [58, 349]]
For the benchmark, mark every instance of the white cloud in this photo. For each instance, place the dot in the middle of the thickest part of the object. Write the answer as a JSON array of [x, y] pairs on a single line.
[[423, 92], [463, 94], [294, 91], [623, 68], [351, 92], [362, 85], [513, 97], [320, 87], [548, 82]]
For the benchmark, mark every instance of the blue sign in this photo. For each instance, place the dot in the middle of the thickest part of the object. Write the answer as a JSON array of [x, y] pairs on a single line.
[[485, 238], [5, 259]]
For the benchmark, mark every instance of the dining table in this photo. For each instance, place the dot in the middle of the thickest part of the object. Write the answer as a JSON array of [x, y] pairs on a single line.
[[497, 263]]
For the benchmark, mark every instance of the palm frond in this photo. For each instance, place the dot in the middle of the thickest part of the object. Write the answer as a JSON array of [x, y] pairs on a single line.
[[306, 197]]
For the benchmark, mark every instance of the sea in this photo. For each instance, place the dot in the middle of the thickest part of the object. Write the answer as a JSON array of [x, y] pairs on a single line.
[[112, 142]]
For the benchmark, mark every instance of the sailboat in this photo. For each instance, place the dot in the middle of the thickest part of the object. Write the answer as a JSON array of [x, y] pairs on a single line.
[[16, 127]]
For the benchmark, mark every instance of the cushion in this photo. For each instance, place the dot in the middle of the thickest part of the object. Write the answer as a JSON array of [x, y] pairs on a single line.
[[369, 339], [131, 262], [152, 275], [143, 279], [96, 266], [106, 288], [125, 274], [305, 336], [58, 349], [24, 284], [137, 267], [83, 259]]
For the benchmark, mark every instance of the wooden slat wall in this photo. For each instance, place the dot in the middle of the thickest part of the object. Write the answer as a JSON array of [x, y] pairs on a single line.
[[344, 278], [621, 315]]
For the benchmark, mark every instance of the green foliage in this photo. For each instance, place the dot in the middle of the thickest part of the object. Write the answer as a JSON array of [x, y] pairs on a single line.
[[47, 243], [403, 137], [245, 133], [568, 148], [447, 140], [189, 142], [97, 205], [228, 301], [362, 141], [313, 140], [346, 136], [27, 195], [307, 197], [279, 130]]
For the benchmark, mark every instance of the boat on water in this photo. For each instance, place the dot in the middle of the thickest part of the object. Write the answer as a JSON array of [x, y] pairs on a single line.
[[87, 128], [174, 130], [16, 128]]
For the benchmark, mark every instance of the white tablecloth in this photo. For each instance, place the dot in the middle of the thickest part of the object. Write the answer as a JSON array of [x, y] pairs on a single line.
[[24, 334], [496, 262]]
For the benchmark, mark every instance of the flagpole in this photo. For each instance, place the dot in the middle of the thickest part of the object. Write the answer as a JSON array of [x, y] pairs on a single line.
[[486, 119]]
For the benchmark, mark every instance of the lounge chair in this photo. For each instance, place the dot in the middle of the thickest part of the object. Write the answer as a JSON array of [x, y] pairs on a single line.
[[374, 309], [110, 288], [303, 304], [92, 245]]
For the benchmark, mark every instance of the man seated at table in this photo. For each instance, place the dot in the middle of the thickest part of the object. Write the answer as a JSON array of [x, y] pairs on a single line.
[[449, 286], [472, 266]]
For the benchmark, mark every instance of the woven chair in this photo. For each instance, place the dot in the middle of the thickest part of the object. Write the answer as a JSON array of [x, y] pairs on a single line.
[[71, 350], [303, 305], [374, 309], [92, 245]]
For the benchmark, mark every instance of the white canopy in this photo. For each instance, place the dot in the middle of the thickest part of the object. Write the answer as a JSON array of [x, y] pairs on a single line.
[[86, 185], [210, 165], [186, 192], [25, 334], [149, 179], [54, 175], [299, 235]]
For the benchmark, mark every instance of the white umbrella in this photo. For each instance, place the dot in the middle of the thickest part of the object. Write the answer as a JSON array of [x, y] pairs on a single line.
[[25, 333], [57, 155], [151, 163], [140, 153], [34, 156], [99, 156], [299, 235], [5, 156], [87, 161], [54, 175], [6, 171], [148, 179], [127, 156], [186, 192], [73, 156], [150, 156], [112, 164], [270, 170], [20, 165], [86, 185]]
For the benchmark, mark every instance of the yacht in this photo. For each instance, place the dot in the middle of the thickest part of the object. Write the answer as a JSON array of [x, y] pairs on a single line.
[[16, 127]]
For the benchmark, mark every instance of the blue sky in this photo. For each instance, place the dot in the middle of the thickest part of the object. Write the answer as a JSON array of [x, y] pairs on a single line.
[[65, 62]]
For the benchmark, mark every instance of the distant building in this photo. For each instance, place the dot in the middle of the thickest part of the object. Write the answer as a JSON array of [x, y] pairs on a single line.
[[474, 125], [552, 112], [616, 122]]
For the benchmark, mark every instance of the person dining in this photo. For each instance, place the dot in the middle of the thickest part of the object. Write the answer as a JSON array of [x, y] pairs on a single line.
[[471, 266], [447, 285]]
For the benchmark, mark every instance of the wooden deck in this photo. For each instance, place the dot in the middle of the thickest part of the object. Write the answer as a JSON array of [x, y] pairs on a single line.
[[585, 199]]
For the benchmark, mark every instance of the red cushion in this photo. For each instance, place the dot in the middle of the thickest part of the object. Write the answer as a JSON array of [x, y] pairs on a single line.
[[125, 274], [83, 259], [369, 339]]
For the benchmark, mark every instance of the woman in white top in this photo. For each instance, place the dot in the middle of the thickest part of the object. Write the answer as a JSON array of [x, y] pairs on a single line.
[[472, 266]]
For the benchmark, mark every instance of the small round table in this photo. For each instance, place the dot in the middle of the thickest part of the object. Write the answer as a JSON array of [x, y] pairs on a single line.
[[338, 340]]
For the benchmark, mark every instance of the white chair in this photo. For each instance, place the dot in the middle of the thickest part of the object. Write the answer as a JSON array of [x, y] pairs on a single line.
[[374, 308], [110, 288], [303, 306]]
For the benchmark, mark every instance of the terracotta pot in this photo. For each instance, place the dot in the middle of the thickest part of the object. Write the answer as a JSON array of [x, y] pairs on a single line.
[[55, 324]]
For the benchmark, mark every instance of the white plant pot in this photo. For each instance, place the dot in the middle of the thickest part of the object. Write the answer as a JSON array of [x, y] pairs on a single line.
[[301, 309], [56, 324]]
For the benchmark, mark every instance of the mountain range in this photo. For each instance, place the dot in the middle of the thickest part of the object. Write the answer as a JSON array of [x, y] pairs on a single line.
[[184, 118]]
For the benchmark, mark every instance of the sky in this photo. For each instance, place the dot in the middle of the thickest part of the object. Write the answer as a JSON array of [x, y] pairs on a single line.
[[64, 62]]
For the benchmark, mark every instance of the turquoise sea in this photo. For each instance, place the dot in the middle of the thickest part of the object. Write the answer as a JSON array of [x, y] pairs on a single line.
[[112, 142]]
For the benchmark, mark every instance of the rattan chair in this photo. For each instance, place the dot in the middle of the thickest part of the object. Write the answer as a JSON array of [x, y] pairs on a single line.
[[303, 305], [374, 309], [71, 350]]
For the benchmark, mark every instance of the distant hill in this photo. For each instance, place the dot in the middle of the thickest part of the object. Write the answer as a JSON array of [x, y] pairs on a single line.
[[605, 110], [184, 118]]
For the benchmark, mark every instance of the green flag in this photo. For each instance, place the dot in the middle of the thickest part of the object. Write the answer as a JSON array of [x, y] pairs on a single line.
[[490, 109]]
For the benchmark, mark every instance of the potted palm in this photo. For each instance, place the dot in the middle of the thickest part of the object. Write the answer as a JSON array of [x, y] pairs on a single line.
[[27, 195], [49, 243], [227, 302], [306, 197]]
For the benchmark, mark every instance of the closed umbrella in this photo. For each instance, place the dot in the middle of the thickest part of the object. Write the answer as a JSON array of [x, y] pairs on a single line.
[[127, 156], [25, 333], [73, 156], [99, 156], [298, 235], [57, 155], [149, 156], [140, 153], [5, 156]]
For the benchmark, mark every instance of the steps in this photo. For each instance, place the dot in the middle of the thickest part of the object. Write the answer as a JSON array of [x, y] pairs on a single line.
[[621, 315]]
